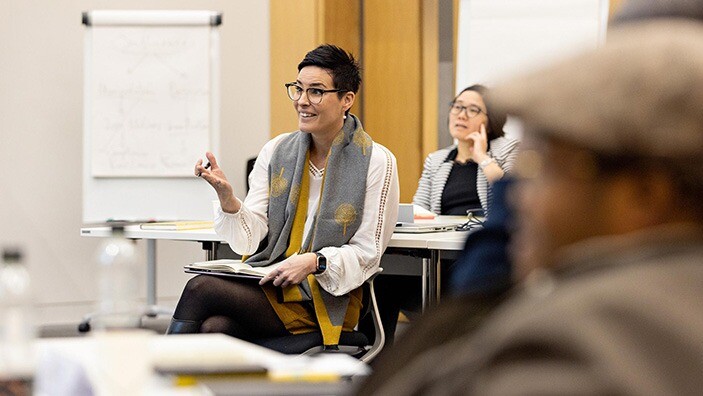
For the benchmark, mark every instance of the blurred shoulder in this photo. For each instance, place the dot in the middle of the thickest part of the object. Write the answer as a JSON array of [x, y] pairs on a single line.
[[553, 308]]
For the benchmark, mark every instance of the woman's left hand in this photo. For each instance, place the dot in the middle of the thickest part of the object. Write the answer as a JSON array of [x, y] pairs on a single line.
[[479, 146], [293, 270]]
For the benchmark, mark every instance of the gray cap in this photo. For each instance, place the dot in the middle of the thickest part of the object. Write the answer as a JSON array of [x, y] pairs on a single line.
[[635, 10], [639, 95]]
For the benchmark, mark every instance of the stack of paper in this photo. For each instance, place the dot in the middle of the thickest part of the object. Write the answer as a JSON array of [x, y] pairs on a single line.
[[177, 225]]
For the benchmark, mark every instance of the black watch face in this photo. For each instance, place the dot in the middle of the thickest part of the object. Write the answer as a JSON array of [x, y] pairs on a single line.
[[321, 263]]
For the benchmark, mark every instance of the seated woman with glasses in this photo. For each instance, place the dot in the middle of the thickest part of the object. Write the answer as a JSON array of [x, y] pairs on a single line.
[[323, 202], [458, 178], [454, 180]]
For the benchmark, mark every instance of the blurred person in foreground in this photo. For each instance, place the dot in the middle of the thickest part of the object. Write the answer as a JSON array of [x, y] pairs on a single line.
[[610, 239]]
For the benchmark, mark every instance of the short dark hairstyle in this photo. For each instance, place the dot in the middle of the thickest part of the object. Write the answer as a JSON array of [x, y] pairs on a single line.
[[346, 73], [496, 118]]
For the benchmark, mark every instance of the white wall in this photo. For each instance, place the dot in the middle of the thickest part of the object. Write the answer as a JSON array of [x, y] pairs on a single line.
[[498, 39], [41, 93]]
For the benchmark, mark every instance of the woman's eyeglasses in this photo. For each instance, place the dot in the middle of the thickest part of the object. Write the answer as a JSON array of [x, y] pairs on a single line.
[[295, 92], [471, 111]]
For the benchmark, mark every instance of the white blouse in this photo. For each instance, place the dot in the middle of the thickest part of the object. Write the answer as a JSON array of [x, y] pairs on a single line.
[[348, 266]]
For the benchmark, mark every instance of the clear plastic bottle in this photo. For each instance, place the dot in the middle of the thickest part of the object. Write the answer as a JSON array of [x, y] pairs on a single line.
[[118, 284], [17, 327]]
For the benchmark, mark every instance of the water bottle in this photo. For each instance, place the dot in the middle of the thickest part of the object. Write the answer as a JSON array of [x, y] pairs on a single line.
[[17, 327], [118, 284]]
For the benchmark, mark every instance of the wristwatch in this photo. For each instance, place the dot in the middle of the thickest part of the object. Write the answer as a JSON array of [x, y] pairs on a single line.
[[321, 263], [486, 162]]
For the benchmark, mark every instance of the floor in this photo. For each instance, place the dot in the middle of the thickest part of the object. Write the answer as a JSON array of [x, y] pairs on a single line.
[[159, 325]]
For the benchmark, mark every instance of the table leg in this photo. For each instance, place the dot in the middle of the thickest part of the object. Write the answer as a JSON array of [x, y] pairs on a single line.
[[426, 264], [437, 261], [433, 279], [152, 310], [210, 249], [151, 272]]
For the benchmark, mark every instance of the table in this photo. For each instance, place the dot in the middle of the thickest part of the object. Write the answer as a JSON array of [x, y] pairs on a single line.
[[207, 237], [430, 247], [124, 362]]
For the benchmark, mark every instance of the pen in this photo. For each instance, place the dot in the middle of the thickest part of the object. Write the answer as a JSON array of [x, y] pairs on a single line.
[[207, 166]]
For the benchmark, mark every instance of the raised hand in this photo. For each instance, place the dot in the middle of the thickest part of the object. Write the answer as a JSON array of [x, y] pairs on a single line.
[[479, 144], [217, 179]]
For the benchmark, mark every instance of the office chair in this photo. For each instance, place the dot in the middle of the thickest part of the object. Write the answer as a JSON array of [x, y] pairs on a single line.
[[250, 167], [354, 343]]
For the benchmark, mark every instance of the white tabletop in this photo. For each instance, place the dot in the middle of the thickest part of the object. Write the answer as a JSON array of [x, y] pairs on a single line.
[[134, 232], [450, 240], [104, 362]]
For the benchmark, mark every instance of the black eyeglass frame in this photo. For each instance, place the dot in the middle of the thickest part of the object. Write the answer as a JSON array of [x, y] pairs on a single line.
[[307, 92], [466, 109]]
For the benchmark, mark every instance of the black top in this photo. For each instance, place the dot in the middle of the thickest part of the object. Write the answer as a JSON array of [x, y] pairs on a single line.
[[460, 192]]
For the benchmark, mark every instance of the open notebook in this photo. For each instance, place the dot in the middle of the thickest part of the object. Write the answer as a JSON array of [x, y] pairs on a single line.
[[235, 268]]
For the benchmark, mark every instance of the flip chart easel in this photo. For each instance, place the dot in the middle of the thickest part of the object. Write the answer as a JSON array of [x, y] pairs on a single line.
[[151, 109]]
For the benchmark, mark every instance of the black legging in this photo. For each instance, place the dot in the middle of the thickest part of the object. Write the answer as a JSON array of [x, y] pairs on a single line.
[[234, 306]]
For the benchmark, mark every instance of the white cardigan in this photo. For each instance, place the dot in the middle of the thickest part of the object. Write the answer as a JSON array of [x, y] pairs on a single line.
[[437, 169], [348, 266]]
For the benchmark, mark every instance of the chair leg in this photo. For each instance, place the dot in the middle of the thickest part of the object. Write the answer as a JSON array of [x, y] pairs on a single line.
[[380, 336], [183, 326]]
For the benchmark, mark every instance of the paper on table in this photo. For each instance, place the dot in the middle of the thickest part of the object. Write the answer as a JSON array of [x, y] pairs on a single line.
[[323, 367], [122, 367], [177, 225], [216, 352], [422, 213]]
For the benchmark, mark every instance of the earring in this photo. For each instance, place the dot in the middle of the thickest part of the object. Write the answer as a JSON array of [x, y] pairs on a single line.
[[344, 117]]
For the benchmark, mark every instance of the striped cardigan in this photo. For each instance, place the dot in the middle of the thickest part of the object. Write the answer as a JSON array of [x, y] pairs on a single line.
[[436, 172]]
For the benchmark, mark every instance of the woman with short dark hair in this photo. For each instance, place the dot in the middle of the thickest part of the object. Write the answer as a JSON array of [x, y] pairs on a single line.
[[323, 202]]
